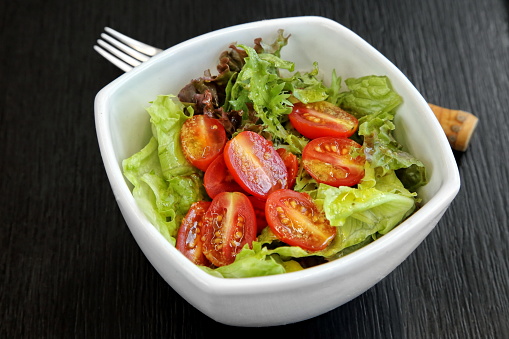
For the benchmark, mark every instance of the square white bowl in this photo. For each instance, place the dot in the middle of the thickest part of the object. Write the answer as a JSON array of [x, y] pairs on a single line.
[[123, 128]]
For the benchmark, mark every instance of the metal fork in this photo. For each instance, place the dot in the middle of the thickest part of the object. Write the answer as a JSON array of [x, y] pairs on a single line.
[[123, 51]]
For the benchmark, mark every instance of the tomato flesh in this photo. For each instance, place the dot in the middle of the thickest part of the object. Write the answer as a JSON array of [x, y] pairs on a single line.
[[255, 164], [189, 235], [295, 219], [259, 208], [334, 161], [292, 165], [228, 225], [217, 179], [202, 139], [322, 119]]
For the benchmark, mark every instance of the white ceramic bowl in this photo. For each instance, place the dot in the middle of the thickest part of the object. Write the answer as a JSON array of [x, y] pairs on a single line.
[[123, 128]]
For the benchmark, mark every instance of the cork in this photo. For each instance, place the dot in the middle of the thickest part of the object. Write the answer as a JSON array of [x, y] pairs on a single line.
[[458, 126]]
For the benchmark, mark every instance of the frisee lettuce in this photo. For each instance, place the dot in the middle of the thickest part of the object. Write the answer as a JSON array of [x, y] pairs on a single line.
[[306, 87], [259, 84]]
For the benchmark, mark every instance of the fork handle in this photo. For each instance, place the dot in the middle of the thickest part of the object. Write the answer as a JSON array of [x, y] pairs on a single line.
[[459, 126]]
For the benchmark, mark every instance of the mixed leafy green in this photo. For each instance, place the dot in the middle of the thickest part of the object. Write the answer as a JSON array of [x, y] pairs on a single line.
[[250, 92]]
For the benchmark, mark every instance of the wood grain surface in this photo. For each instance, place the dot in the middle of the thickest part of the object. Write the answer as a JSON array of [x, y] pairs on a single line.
[[69, 266]]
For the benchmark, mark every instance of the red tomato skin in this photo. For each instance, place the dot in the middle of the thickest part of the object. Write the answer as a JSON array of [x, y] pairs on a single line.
[[292, 165], [228, 225], [255, 164], [322, 119], [189, 235], [328, 160], [295, 219], [202, 139], [259, 209], [218, 179]]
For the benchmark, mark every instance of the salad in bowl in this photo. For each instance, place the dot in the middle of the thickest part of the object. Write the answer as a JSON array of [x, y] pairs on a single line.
[[269, 95], [260, 169]]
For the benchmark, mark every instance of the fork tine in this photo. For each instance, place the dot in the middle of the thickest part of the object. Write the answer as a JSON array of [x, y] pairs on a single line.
[[126, 49], [114, 60], [137, 45], [119, 54]]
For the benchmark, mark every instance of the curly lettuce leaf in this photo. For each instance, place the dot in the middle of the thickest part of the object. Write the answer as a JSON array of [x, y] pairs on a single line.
[[305, 183], [306, 87], [274, 48], [259, 84], [258, 88], [334, 91]]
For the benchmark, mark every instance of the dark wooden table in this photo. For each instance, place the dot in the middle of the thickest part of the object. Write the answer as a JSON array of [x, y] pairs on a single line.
[[69, 266]]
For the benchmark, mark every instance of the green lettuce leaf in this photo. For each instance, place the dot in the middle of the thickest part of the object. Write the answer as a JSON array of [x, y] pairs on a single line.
[[368, 95], [389, 182], [334, 91], [259, 84], [275, 47], [305, 183], [253, 262], [183, 191], [143, 170], [144, 161], [385, 154], [413, 177], [261, 260], [306, 87], [260, 87], [164, 183], [361, 212], [167, 117]]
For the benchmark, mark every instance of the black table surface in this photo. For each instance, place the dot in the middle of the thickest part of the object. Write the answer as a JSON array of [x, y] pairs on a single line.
[[69, 265]]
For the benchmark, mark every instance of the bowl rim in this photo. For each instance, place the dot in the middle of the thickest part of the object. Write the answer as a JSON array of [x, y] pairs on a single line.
[[438, 203]]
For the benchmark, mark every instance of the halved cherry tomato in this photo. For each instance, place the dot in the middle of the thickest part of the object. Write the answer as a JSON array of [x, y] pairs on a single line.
[[228, 225], [202, 140], [292, 165], [189, 234], [334, 161], [322, 119], [259, 209], [218, 179], [255, 164], [295, 219]]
